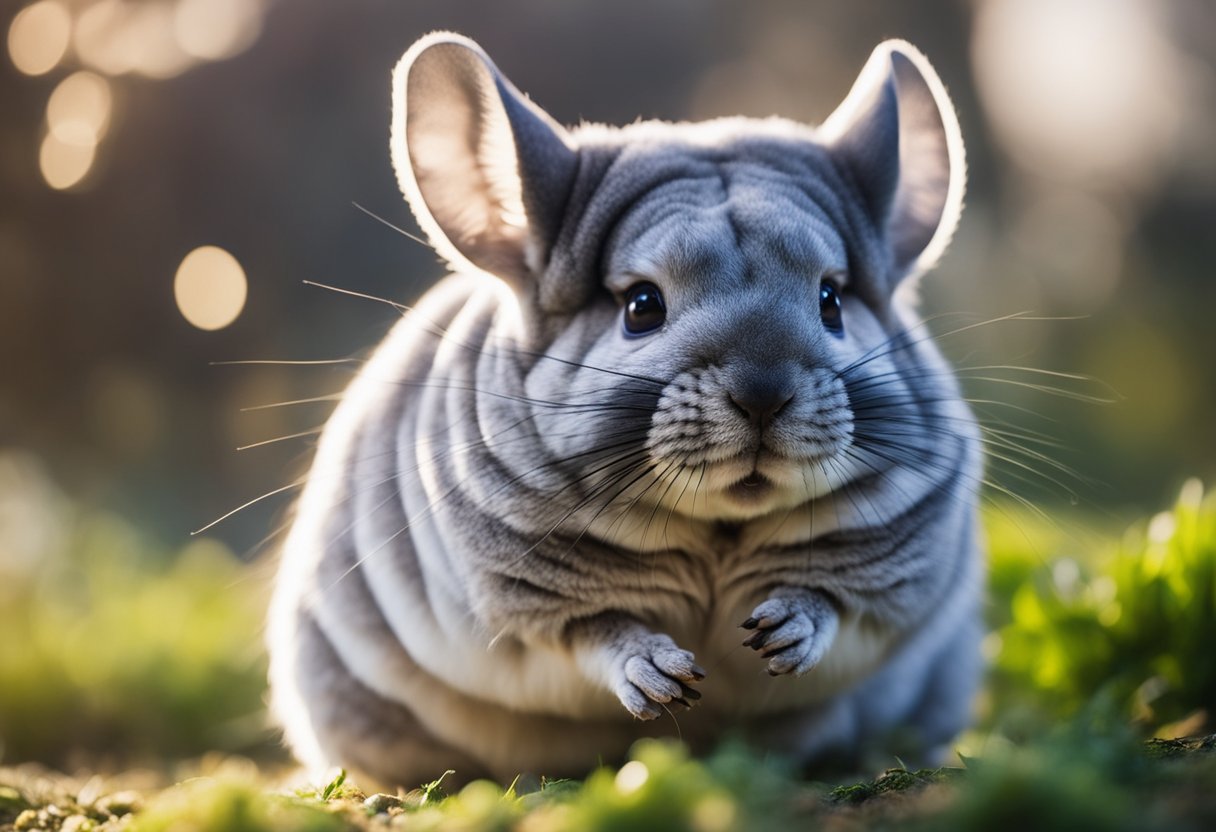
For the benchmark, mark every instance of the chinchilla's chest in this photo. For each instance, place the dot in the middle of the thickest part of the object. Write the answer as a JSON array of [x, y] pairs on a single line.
[[716, 597]]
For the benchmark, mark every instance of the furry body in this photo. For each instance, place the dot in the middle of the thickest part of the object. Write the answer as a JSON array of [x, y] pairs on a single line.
[[523, 523]]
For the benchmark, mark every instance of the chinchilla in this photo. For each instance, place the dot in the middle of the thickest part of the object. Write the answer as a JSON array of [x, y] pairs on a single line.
[[674, 387]]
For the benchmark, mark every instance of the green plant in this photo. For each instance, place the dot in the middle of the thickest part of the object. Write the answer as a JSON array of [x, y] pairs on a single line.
[[224, 805], [1133, 622], [112, 649]]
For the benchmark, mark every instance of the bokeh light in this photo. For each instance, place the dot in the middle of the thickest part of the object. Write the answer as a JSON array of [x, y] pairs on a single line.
[[164, 39], [210, 288], [38, 37], [1085, 90], [78, 111], [164, 124], [64, 164], [117, 37], [213, 30], [31, 518]]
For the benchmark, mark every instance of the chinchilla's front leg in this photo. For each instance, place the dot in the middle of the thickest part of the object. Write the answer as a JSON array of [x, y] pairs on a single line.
[[793, 629], [647, 671]]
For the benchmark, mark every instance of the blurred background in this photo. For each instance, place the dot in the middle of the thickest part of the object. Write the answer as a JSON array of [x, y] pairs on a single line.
[[136, 133], [173, 171]]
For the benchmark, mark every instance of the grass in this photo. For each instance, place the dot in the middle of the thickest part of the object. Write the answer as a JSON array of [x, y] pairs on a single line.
[[1131, 621], [1079, 778], [117, 656]]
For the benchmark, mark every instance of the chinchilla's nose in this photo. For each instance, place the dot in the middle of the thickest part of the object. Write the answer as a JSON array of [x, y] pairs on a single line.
[[761, 396]]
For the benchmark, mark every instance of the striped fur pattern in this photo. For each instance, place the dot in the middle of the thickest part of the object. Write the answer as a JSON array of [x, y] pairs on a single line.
[[530, 537]]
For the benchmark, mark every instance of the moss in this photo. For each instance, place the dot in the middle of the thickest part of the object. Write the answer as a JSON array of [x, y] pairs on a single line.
[[224, 806], [1076, 779], [1172, 749], [1035, 790], [892, 780], [12, 804]]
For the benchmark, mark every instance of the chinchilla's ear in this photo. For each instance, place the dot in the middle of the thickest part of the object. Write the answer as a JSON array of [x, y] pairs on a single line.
[[486, 171], [898, 136]]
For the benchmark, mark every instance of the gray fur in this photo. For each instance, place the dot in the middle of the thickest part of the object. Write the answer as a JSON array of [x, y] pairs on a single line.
[[528, 538]]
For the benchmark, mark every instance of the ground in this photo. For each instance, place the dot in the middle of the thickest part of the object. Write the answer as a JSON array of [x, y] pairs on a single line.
[[1074, 781]]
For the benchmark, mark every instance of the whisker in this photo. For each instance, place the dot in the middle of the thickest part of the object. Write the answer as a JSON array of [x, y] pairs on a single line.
[[565, 517], [396, 228], [1047, 388], [243, 506], [287, 363], [400, 307], [284, 438], [443, 334], [332, 397]]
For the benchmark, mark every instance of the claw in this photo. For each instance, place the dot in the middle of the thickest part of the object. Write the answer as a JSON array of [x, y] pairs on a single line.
[[750, 624], [776, 651]]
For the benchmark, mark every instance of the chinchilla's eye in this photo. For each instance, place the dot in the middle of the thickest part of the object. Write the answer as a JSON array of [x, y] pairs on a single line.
[[644, 309], [829, 307]]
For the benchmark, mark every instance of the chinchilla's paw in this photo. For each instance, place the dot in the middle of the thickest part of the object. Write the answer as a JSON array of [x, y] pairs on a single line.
[[792, 631], [656, 673]]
